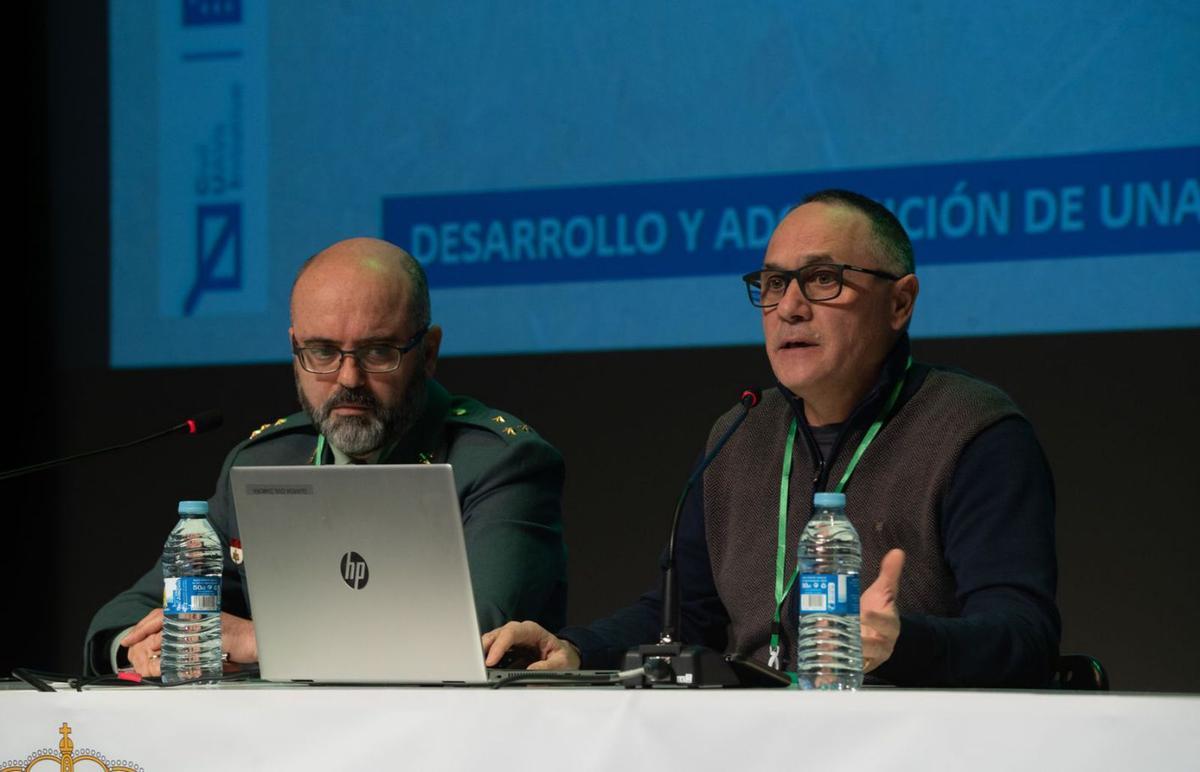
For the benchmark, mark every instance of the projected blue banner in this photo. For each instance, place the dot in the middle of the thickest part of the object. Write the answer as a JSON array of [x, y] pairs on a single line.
[[1068, 206], [603, 184]]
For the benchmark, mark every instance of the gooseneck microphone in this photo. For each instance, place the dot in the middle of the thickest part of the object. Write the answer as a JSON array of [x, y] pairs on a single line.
[[198, 424], [669, 662], [670, 607]]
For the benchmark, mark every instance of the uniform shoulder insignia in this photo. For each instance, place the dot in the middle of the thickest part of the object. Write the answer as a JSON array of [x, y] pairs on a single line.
[[508, 426], [264, 427], [475, 414]]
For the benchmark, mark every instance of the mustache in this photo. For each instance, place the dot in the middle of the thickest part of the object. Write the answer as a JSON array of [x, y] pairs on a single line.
[[352, 398]]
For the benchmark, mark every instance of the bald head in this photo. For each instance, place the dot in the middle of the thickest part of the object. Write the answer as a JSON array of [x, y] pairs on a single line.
[[362, 270], [361, 301]]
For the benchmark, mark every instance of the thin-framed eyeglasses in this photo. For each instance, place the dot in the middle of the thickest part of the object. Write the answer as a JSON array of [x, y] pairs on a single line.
[[322, 359], [818, 282]]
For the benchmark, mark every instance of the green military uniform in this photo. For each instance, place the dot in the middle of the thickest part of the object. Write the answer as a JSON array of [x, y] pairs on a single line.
[[509, 483]]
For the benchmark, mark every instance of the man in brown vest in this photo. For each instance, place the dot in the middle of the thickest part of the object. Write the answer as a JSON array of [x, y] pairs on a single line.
[[953, 491]]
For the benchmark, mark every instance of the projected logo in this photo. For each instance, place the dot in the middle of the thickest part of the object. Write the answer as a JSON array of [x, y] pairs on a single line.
[[218, 251], [212, 228], [354, 570]]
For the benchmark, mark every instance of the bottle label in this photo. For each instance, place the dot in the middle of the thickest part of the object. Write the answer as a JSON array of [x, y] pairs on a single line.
[[829, 594], [192, 595]]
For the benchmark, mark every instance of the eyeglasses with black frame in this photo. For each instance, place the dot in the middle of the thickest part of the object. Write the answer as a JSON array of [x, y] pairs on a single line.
[[818, 282], [323, 359]]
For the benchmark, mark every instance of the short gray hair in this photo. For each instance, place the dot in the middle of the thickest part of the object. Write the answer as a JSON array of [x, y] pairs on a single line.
[[890, 236]]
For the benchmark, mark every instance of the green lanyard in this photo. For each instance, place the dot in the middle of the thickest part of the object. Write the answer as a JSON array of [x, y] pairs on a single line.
[[781, 589]]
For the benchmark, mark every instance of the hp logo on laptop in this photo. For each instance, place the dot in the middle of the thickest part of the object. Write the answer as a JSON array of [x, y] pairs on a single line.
[[354, 570]]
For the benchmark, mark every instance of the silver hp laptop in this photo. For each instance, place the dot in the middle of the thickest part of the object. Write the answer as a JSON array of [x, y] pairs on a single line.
[[358, 574]]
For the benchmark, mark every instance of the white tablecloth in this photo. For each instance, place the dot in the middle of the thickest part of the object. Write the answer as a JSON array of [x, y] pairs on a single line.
[[600, 728]]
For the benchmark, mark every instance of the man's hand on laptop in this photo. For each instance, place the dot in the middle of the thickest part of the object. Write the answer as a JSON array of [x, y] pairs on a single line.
[[238, 639], [533, 641], [144, 642]]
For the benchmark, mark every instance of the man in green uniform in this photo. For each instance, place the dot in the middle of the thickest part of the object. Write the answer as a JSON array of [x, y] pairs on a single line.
[[365, 355]]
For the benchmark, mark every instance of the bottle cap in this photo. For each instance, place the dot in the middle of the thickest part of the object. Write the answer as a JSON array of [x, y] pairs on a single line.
[[193, 507], [829, 500]]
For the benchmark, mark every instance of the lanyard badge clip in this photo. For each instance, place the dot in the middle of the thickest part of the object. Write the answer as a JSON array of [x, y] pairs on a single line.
[[773, 649]]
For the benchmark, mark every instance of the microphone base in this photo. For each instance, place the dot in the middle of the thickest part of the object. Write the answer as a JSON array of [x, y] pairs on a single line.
[[680, 666]]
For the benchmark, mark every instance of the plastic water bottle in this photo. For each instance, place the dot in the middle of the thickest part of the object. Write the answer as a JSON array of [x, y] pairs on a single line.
[[829, 644], [192, 561]]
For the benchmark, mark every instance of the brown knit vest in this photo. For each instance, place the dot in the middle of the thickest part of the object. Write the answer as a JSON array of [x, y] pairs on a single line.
[[893, 499]]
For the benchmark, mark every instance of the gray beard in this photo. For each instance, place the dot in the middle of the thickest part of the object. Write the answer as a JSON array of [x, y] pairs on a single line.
[[361, 435]]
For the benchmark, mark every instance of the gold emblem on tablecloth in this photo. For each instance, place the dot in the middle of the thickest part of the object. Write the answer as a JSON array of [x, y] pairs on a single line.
[[511, 432], [524, 428], [67, 758], [498, 419]]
